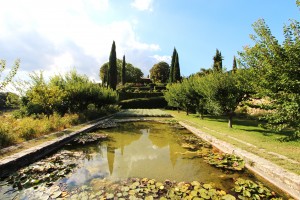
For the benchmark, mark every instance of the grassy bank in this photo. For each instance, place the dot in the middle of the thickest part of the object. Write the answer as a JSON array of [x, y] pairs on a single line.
[[247, 135]]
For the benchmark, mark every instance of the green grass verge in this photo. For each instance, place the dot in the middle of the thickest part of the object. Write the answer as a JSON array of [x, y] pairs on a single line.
[[247, 131]]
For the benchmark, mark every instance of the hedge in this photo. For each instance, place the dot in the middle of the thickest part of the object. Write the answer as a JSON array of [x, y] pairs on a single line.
[[154, 102], [135, 95]]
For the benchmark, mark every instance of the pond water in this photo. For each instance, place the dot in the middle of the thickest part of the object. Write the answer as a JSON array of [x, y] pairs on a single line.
[[134, 150]]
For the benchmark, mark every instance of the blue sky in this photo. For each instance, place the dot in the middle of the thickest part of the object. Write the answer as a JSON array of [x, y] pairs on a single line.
[[58, 35]]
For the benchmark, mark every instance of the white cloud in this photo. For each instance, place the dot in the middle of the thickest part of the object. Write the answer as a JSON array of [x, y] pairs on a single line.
[[55, 36], [143, 5], [159, 58]]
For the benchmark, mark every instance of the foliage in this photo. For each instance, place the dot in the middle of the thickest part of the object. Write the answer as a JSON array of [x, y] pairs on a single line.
[[8, 100], [248, 189], [14, 130], [275, 70], [112, 70], [44, 95], [171, 77], [175, 95], [176, 70], [132, 74], [234, 65], [226, 161], [123, 75], [159, 73], [174, 75], [7, 79], [218, 58], [154, 102], [46, 171], [134, 95]]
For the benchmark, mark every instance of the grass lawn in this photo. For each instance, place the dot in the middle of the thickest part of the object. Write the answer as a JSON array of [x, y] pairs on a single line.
[[247, 135]]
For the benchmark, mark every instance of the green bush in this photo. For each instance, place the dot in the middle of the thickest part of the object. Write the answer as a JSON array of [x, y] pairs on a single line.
[[134, 95], [154, 102], [6, 139]]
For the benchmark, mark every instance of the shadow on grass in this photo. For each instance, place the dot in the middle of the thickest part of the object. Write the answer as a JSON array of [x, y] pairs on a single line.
[[253, 125]]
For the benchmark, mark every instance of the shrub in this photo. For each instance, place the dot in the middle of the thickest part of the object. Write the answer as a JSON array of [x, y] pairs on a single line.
[[6, 139], [154, 102], [133, 95]]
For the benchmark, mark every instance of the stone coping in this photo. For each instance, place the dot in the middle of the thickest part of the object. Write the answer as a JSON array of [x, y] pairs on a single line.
[[281, 178], [12, 163]]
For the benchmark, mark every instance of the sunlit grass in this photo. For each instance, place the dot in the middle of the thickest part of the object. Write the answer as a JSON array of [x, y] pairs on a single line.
[[247, 131]]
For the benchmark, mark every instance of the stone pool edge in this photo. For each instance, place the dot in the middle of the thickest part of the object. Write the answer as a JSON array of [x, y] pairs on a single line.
[[13, 162], [286, 181]]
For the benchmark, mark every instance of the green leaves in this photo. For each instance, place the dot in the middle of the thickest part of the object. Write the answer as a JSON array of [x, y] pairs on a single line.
[[253, 190]]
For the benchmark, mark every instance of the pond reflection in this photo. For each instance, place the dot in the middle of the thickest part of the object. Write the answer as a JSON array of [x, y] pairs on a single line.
[[151, 150]]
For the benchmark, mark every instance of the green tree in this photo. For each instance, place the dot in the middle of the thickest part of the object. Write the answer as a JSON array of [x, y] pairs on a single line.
[[159, 73], [113, 70], [42, 95], [223, 92], [234, 65], [217, 66], [123, 76], [132, 74], [176, 71], [171, 74], [275, 68], [6, 80]]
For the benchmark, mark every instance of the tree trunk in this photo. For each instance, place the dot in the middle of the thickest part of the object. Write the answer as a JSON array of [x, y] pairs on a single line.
[[230, 116], [187, 111]]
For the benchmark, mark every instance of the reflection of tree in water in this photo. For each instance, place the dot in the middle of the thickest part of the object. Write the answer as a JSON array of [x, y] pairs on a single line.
[[158, 136]]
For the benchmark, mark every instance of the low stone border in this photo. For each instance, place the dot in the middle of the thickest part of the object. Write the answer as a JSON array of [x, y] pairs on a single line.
[[286, 181], [12, 163]]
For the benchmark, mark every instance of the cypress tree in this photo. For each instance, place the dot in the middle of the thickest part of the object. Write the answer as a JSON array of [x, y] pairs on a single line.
[[113, 73], [234, 66], [123, 75], [217, 66], [171, 76], [176, 70]]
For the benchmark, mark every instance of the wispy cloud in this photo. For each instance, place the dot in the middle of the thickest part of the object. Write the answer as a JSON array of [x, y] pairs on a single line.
[[143, 5], [55, 36]]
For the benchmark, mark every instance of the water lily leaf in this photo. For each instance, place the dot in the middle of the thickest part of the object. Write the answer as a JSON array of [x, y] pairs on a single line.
[[149, 198], [195, 183], [110, 196], [228, 197], [207, 186]]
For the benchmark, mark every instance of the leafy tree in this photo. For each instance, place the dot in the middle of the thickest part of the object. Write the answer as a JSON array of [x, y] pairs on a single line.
[[234, 65], [217, 66], [159, 73], [171, 74], [43, 95], [223, 92], [275, 68], [6, 80], [132, 74], [113, 71], [123, 76], [175, 95], [176, 71]]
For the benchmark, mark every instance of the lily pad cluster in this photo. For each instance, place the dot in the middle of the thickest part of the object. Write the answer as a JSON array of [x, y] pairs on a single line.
[[193, 143], [226, 161], [90, 138], [150, 189], [248, 189], [45, 171]]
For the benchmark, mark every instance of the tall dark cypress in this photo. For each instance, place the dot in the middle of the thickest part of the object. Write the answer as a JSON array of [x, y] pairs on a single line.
[[176, 71], [113, 73], [123, 76], [217, 66], [171, 76], [234, 65]]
